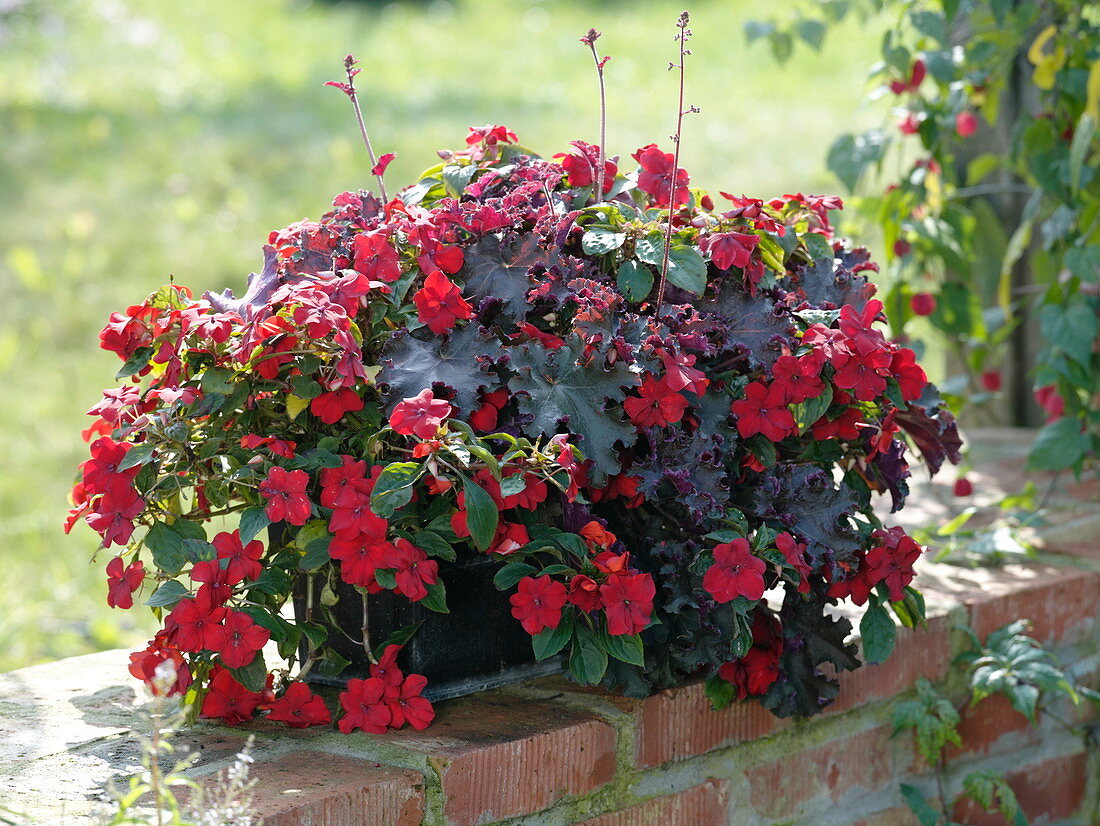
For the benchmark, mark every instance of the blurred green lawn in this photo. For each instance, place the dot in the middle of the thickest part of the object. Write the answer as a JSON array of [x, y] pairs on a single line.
[[141, 139]]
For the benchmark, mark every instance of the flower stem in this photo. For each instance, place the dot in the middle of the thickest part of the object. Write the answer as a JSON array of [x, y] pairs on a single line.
[[349, 63], [681, 38], [590, 39]]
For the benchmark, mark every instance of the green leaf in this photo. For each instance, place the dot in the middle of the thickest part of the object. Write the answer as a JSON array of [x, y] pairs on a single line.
[[587, 660], [456, 178], [253, 521], [385, 578], [510, 575], [550, 641], [217, 380], [252, 676], [394, 488], [953, 526], [926, 815], [1082, 140], [650, 249], [634, 280], [931, 24], [166, 546], [687, 269], [1059, 445], [878, 632], [818, 246], [719, 691], [316, 554], [1072, 329], [137, 362], [808, 412], [136, 455], [272, 580], [434, 545], [481, 514], [436, 600], [602, 241], [400, 638], [1025, 699], [812, 31], [850, 155], [627, 648], [167, 595]]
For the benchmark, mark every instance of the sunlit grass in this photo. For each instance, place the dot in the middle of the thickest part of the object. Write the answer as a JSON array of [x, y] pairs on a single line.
[[142, 140]]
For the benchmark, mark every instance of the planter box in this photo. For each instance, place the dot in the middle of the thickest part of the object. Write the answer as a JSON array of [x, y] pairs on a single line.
[[478, 645]]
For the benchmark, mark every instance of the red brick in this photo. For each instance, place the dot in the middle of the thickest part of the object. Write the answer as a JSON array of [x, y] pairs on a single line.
[[501, 756], [917, 653], [983, 725], [310, 788], [680, 723], [1054, 789], [1056, 600], [865, 760], [703, 805]]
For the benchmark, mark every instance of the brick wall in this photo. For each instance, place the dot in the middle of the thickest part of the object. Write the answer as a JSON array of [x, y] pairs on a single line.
[[548, 753]]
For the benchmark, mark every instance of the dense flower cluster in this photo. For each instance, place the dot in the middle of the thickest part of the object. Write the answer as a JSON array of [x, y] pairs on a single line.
[[478, 367]]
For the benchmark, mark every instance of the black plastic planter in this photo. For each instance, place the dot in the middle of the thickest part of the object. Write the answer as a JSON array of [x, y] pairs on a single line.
[[477, 645]]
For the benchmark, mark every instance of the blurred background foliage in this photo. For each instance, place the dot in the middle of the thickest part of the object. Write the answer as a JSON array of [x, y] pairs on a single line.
[[142, 140]]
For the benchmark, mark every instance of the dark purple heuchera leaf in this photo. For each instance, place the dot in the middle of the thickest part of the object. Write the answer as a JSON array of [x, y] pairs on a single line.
[[559, 390], [811, 638], [829, 283], [804, 498], [458, 360], [260, 288], [694, 469], [495, 268], [932, 428], [756, 325], [891, 470]]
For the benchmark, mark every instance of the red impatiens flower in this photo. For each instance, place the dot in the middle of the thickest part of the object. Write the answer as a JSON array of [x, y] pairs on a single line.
[[243, 560], [581, 165], [365, 707], [299, 708], [800, 379], [359, 558], [584, 592], [730, 249], [387, 671], [735, 572], [910, 376], [627, 602], [243, 638], [228, 700], [892, 561], [147, 665], [278, 447], [916, 77], [285, 492], [121, 584], [656, 177], [795, 554], [375, 257], [484, 419], [330, 407], [409, 706], [537, 603], [439, 303], [420, 415], [763, 410], [413, 571], [658, 406], [509, 537], [845, 426], [596, 535], [962, 487], [754, 673], [198, 623]]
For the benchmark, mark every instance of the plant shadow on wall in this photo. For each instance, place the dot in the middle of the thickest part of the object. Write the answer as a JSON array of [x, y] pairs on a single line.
[[647, 412], [992, 223]]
